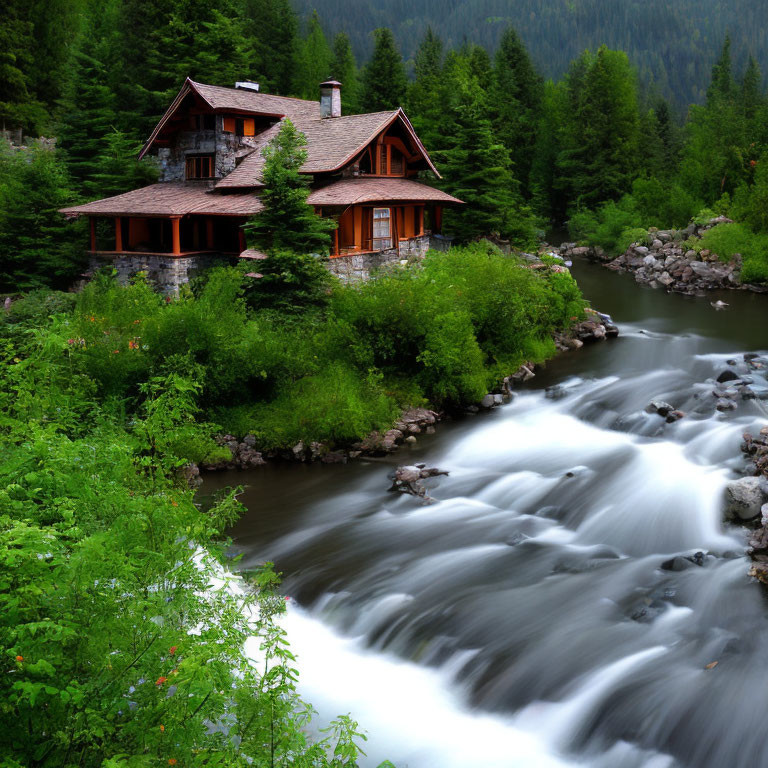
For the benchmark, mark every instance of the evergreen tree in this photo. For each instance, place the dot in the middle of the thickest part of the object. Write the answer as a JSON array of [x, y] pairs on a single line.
[[425, 97], [516, 97], [477, 169], [287, 222], [115, 169], [722, 85], [88, 111], [18, 107], [37, 246], [384, 80], [344, 69], [313, 61], [600, 138], [271, 29]]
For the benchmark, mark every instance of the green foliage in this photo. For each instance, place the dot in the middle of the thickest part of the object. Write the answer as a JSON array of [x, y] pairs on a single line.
[[123, 637], [384, 81], [477, 168], [37, 246], [728, 239], [344, 69], [313, 61], [287, 222]]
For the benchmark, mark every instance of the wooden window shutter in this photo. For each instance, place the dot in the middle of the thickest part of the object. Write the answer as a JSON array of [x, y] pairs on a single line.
[[229, 124], [249, 126], [382, 169]]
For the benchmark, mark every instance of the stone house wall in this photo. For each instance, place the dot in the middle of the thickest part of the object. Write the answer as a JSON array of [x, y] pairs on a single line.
[[168, 273], [359, 266], [225, 146]]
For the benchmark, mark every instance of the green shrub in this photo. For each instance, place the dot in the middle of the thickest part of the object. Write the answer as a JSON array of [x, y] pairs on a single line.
[[727, 239]]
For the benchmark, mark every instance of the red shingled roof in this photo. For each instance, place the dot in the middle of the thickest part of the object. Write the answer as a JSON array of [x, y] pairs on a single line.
[[167, 199], [374, 189], [331, 142]]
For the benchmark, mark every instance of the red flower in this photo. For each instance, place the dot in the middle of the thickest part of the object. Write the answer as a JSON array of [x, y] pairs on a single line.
[[160, 680], [171, 761], [115, 351], [172, 650], [19, 658], [162, 729]]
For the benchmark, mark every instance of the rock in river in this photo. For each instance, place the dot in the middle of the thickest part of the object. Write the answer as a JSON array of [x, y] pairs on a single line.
[[744, 498]]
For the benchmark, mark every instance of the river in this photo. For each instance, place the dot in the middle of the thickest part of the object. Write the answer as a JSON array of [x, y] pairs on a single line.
[[523, 620]]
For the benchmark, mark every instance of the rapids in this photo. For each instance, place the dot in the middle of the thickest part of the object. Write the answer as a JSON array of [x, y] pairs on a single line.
[[523, 620]]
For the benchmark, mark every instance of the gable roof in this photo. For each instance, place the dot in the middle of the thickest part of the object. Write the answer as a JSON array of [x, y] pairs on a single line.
[[331, 142]]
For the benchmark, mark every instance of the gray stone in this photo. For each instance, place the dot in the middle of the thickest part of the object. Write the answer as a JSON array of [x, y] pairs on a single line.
[[660, 407], [487, 402], [410, 439], [744, 498], [656, 244]]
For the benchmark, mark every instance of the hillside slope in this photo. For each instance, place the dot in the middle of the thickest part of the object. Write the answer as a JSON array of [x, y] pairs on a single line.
[[672, 43]]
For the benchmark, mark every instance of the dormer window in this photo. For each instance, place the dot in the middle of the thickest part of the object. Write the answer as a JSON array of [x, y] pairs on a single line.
[[200, 167], [391, 161], [240, 126]]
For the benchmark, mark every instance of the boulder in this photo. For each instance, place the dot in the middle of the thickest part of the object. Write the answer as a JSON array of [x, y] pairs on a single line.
[[660, 407], [744, 498], [727, 376]]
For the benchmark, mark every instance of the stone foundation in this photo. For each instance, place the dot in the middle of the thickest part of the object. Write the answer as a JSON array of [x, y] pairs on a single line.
[[360, 266], [168, 273]]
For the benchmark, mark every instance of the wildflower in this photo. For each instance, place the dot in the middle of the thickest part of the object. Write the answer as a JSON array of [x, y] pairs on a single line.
[[19, 658], [171, 761], [115, 351], [160, 680], [172, 649], [287, 598], [92, 319], [162, 729], [70, 341], [136, 322], [133, 344], [174, 503]]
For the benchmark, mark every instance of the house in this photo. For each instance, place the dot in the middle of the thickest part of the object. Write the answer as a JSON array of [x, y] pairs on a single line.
[[209, 147]]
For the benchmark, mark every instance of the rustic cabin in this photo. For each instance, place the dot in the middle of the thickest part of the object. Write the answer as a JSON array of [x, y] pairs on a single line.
[[209, 145]]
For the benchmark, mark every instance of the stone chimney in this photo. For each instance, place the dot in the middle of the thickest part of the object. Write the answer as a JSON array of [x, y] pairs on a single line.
[[330, 98]]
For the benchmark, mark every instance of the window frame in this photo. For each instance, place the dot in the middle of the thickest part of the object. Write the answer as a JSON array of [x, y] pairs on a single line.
[[195, 162], [386, 238]]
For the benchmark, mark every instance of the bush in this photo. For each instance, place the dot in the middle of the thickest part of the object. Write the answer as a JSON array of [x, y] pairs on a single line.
[[727, 239]]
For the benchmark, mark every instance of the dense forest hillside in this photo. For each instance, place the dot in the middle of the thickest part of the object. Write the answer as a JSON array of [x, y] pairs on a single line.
[[672, 44]]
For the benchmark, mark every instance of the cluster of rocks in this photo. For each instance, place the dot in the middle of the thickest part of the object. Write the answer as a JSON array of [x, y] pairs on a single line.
[[666, 260], [747, 501], [407, 479]]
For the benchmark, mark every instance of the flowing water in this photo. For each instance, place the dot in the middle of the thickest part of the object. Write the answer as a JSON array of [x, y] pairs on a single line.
[[524, 619]]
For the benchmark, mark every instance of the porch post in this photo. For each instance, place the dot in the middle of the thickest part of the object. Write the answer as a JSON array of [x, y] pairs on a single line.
[[118, 234], [92, 222], [336, 241], [438, 219], [176, 236], [209, 233], [421, 220]]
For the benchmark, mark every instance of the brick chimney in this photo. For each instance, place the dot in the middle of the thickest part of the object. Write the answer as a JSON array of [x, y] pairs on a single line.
[[330, 98]]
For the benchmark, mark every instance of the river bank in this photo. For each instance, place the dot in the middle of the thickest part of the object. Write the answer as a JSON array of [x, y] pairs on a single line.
[[411, 422], [674, 260]]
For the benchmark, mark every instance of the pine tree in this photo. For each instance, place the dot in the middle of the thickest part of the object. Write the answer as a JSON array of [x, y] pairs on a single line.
[[38, 247], [115, 169], [599, 157], [384, 80], [722, 85], [18, 107], [287, 222], [271, 29], [344, 69], [477, 169], [313, 61], [425, 97], [88, 111], [516, 98]]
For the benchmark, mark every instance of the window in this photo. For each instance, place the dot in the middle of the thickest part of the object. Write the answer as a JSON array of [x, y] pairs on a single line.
[[240, 126], [382, 233], [203, 122], [200, 167], [396, 165]]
